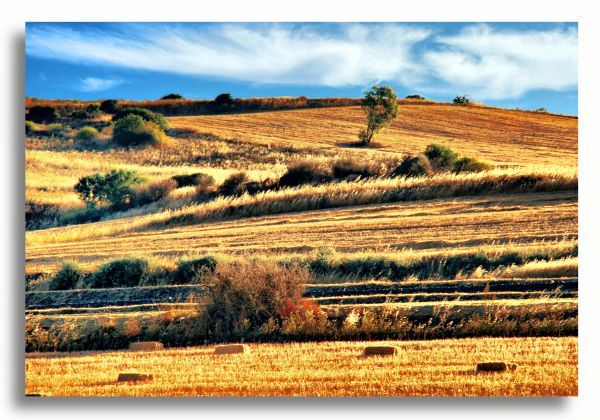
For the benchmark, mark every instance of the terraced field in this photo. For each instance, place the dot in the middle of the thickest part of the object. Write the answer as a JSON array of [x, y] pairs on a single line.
[[501, 136]]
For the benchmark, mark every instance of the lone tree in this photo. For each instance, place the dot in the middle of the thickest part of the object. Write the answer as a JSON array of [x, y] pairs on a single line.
[[381, 106]]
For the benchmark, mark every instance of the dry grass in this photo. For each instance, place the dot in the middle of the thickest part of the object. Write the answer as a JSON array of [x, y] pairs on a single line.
[[547, 366], [510, 222], [500, 136]]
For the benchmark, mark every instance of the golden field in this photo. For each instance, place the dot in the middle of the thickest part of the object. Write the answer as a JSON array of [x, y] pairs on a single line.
[[498, 135], [545, 367]]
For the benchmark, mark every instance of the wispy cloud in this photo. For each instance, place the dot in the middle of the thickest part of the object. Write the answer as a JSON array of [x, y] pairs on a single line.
[[498, 64], [480, 60], [93, 84]]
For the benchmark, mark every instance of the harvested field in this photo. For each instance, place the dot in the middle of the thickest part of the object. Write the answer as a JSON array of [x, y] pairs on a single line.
[[546, 366], [501, 136], [456, 225]]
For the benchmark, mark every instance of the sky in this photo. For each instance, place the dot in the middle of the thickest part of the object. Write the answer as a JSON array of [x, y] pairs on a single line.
[[512, 65]]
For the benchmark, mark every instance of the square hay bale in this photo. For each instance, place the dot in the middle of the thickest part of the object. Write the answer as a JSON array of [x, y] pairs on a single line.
[[380, 351], [146, 346], [495, 367], [232, 349], [134, 377]]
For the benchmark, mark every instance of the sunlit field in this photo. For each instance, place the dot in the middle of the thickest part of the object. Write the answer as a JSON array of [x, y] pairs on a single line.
[[545, 367]]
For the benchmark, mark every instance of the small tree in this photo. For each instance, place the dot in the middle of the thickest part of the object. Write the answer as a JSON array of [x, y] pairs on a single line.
[[381, 106], [224, 99], [461, 100]]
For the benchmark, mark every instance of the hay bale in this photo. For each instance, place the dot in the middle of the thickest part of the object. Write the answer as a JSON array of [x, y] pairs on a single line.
[[380, 351], [495, 367], [232, 349], [134, 377], [145, 346]]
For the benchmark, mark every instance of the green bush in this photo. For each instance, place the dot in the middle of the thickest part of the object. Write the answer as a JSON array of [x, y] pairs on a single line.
[[469, 164], [413, 166], [440, 157], [193, 179], [30, 127], [119, 273], [87, 133], [145, 114], [42, 114], [133, 130], [113, 188], [109, 106], [66, 278], [188, 271], [304, 173], [223, 99], [415, 97]]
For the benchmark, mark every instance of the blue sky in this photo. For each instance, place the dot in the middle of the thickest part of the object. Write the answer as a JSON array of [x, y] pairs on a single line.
[[524, 65]]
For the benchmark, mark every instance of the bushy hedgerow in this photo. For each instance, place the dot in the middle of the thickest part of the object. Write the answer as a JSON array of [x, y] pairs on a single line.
[[348, 169], [188, 271], [172, 96], [233, 185], [440, 157], [413, 166], [149, 193], [91, 112]]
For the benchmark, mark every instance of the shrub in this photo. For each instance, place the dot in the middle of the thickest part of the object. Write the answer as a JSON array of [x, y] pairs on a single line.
[[119, 273], [189, 270], [304, 173], [87, 133], [243, 300], [172, 96], [345, 168], [468, 164], [66, 278], [413, 166], [109, 106], [30, 127], [441, 157], [233, 184], [145, 114], [56, 130], [133, 130], [42, 114], [113, 187], [89, 113], [193, 179], [541, 110], [150, 193], [461, 100], [415, 97]]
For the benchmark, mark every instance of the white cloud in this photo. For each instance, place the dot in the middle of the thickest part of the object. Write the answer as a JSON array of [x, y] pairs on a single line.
[[483, 61], [93, 84], [354, 55], [492, 64]]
